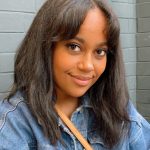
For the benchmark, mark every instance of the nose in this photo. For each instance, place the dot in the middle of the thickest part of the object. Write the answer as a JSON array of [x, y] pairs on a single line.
[[86, 63]]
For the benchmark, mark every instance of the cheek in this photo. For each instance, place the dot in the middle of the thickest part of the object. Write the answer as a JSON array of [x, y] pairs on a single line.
[[60, 60], [63, 64]]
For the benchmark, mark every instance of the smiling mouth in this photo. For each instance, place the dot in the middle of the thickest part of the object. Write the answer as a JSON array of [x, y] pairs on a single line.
[[81, 80]]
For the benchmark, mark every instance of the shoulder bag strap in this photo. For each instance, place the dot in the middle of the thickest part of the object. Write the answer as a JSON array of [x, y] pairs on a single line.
[[73, 129]]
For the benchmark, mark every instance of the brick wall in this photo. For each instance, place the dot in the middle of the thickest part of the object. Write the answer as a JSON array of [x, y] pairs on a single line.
[[143, 57]]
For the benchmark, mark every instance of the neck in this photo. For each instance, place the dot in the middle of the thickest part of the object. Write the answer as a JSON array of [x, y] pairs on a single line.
[[67, 105]]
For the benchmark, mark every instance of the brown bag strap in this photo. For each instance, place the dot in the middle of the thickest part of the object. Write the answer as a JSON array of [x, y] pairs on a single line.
[[73, 129]]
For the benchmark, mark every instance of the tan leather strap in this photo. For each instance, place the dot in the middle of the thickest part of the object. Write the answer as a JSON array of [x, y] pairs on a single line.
[[73, 129]]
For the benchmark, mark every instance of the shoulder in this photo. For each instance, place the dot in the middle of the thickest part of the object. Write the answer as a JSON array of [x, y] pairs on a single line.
[[9, 106], [14, 108], [139, 129], [15, 120]]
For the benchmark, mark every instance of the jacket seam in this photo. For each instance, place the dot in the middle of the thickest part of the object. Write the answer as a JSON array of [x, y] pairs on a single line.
[[7, 112], [136, 137]]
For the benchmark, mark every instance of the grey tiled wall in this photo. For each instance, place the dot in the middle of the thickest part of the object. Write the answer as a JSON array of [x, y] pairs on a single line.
[[126, 11], [143, 57], [15, 18]]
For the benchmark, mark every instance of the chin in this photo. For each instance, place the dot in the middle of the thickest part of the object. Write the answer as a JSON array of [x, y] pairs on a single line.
[[78, 93]]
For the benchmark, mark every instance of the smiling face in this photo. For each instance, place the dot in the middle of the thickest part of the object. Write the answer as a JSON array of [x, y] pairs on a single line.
[[79, 62]]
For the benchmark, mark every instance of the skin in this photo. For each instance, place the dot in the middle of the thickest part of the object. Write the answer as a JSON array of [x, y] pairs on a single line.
[[79, 62]]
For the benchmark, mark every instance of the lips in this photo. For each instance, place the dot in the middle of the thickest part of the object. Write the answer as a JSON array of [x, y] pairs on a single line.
[[81, 80]]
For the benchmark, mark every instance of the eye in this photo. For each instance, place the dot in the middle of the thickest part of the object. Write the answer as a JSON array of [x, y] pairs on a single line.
[[73, 47], [101, 52]]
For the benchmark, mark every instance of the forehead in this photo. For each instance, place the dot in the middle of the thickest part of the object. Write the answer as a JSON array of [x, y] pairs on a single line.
[[94, 26], [95, 18]]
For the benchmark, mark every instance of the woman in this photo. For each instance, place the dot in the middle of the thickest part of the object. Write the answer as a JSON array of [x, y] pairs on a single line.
[[71, 58]]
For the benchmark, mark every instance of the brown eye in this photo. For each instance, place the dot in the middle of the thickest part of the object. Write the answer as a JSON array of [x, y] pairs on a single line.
[[101, 52], [73, 47]]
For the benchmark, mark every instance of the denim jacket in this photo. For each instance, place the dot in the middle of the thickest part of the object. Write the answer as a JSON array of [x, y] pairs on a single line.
[[19, 130]]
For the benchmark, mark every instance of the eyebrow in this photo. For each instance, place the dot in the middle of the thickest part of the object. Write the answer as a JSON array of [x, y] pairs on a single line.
[[83, 41]]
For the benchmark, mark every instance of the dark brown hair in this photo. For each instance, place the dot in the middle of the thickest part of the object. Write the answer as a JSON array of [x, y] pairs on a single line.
[[33, 75]]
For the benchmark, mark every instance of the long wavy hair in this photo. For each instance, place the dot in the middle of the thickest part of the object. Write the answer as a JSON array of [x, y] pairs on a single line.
[[33, 74]]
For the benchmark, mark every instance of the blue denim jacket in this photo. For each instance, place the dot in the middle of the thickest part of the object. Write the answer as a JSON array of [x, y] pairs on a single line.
[[19, 130]]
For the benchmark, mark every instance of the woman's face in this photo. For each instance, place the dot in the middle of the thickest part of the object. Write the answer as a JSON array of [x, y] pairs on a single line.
[[79, 62]]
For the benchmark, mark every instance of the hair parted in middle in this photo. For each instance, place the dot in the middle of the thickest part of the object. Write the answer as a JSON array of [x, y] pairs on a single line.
[[61, 20]]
